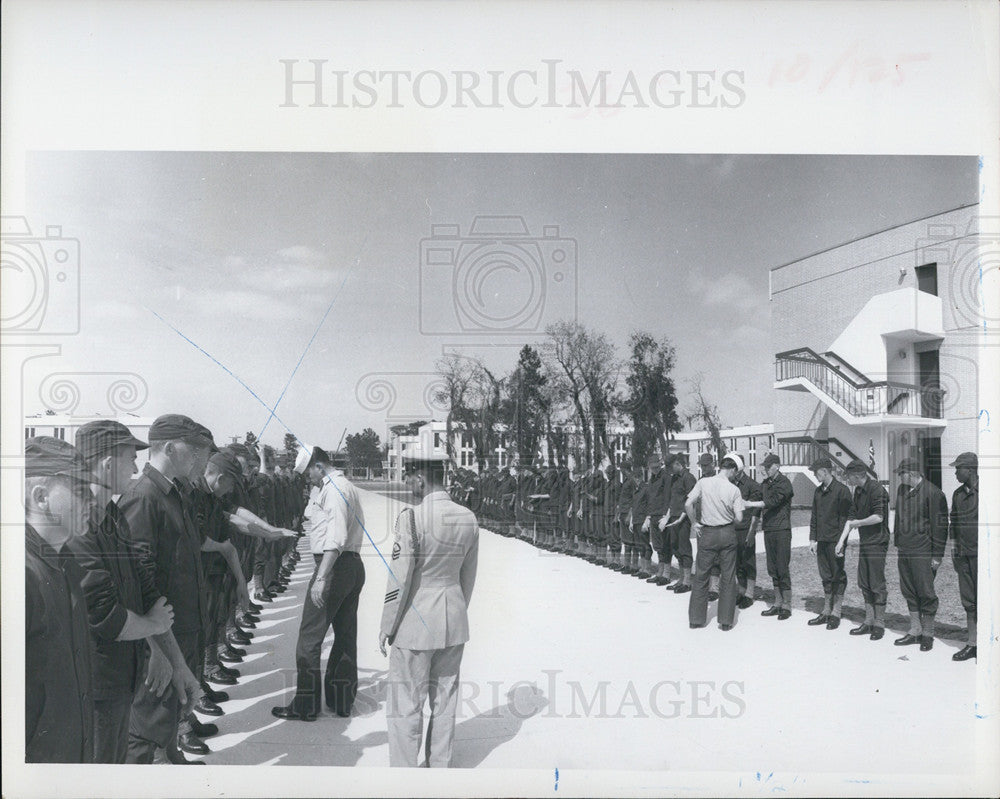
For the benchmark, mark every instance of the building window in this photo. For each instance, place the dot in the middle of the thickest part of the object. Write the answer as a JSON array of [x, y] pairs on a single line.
[[60, 433], [437, 440], [29, 432], [927, 279]]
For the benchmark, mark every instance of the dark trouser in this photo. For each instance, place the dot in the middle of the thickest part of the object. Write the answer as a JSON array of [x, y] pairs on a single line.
[[778, 546], [831, 568], [871, 573], [916, 583], [612, 535], [967, 567], [680, 542], [625, 534], [716, 545], [111, 716], [155, 719], [215, 618], [746, 557], [340, 609], [660, 540]]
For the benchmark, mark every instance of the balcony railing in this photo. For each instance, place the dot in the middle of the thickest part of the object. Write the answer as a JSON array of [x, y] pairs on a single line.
[[805, 450], [859, 397]]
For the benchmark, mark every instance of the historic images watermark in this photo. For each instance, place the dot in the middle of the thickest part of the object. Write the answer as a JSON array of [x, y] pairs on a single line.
[[314, 83], [553, 695]]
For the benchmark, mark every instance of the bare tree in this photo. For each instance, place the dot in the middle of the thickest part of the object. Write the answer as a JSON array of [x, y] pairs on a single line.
[[584, 367], [702, 411], [457, 374]]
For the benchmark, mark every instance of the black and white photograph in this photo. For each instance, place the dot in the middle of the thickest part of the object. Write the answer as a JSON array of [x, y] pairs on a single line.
[[564, 453]]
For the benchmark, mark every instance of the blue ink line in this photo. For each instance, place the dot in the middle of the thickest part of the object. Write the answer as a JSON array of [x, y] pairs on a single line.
[[253, 394], [309, 344], [557, 780]]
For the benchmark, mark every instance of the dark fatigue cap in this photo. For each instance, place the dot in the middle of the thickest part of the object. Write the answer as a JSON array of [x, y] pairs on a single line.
[[705, 459], [908, 465], [104, 436], [176, 427], [227, 464], [967, 460], [654, 460], [821, 463], [45, 456], [771, 460], [856, 466]]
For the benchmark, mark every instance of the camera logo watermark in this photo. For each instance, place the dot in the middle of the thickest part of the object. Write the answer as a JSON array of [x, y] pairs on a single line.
[[40, 275], [497, 278], [971, 258]]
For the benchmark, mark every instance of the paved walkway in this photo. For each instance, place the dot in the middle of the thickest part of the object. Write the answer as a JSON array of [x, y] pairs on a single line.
[[574, 666]]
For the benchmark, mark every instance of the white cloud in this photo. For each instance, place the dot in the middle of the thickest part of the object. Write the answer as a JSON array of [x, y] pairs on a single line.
[[732, 290]]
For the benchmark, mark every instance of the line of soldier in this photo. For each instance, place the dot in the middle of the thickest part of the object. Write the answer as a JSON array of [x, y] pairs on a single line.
[[619, 516], [136, 594]]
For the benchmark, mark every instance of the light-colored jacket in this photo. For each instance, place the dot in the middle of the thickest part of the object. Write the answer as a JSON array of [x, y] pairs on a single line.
[[439, 579]]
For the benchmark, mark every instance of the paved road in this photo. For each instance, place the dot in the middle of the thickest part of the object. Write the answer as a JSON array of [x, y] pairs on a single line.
[[573, 666]]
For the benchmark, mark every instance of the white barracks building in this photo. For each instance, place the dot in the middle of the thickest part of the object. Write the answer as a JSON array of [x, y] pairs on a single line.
[[875, 351]]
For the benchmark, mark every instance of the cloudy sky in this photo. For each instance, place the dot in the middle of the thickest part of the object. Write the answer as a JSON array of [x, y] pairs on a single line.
[[201, 270]]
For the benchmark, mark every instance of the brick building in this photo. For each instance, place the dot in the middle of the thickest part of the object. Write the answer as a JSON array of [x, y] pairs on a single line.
[[875, 350]]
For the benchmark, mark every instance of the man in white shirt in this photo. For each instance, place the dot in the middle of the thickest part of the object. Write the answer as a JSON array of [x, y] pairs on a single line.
[[425, 617], [721, 506], [333, 594]]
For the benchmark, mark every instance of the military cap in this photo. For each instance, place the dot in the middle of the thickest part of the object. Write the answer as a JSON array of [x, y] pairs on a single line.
[[821, 463], [856, 466], [239, 450], [654, 460], [45, 456], [967, 460], [227, 463], [706, 459], [304, 457], [176, 427], [733, 459], [771, 460], [908, 465], [103, 436]]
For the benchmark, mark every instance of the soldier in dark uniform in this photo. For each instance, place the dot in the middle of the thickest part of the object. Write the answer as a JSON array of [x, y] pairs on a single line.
[[123, 605], [595, 513], [58, 687], [746, 539], [504, 490], [963, 530], [164, 531], [576, 511], [831, 508], [677, 525], [640, 516], [612, 493], [870, 517], [920, 533], [627, 490], [777, 523], [548, 507], [658, 503], [564, 512]]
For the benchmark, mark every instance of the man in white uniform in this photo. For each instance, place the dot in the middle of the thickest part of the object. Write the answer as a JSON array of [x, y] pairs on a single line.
[[333, 595], [425, 618]]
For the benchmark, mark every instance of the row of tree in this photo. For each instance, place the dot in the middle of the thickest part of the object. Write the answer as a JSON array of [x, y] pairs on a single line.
[[570, 392]]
